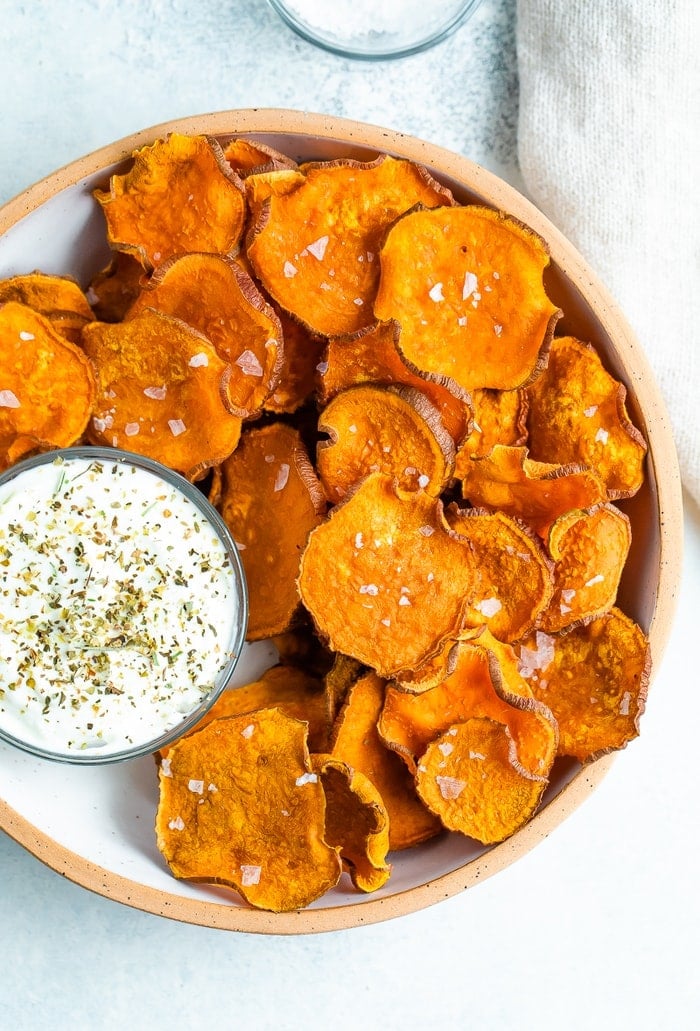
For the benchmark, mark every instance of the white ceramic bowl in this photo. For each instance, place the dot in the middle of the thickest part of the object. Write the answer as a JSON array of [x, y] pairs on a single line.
[[98, 831]]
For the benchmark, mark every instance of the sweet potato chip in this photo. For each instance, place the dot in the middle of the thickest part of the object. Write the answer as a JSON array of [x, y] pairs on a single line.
[[516, 575], [287, 688], [47, 385], [241, 806], [179, 196], [385, 578], [245, 156], [483, 682], [315, 249], [297, 379], [113, 290], [499, 418], [536, 492], [357, 822], [465, 285], [393, 430], [338, 681], [589, 548], [372, 355], [468, 779], [578, 414], [59, 298], [271, 499], [357, 743], [263, 184], [161, 392], [594, 679], [216, 295]]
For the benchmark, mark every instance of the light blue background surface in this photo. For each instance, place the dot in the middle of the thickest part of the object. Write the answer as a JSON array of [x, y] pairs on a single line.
[[598, 927]]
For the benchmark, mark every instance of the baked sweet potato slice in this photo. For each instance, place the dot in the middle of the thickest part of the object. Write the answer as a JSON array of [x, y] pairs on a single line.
[[47, 385], [589, 549], [270, 501], [500, 417], [373, 355], [578, 414], [465, 285], [385, 579], [115, 288], [315, 249], [59, 298], [247, 156], [161, 392], [180, 195], [594, 678], [215, 294], [297, 378], [356, 742], [393, 430]]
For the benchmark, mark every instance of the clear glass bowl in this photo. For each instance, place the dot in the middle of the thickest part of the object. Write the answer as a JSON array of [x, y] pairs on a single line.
[[373, 30], [235, 581]]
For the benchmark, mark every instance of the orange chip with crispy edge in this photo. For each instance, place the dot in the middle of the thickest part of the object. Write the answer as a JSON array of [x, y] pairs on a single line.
[[356, 742], [161, 392], [115, 288], [465, 285], [273, 182], [499, 418], [288, 688], [578, 414], [57, 297], [483, 682], [516, 574], [536, 492], [385, 579], [393, 430], [357, 822], [297, 380], [468, 779], [241, 806], [270, 501], [338, 681], [245, 156], [594, 678], [180, 195], [589, 548], [315, 249], [47, 385], [216, 295]]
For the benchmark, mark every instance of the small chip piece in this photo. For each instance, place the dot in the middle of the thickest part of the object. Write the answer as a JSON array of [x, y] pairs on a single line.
[[499, 418], [297, 378], [153, 400], [47, 385], [260, 827], [385, 578], [491, 322], [248, 156], [357, 822], [595, 679], [589, 548], [315, 249], [179, 196], [216, 296], [394, 430], [270, 501], [578, 414], [357, 743], [115, 288]]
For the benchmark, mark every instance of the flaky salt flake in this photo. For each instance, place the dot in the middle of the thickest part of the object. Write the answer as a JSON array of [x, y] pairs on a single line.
[[435, 293], [568, 595], [410, 470], [386, 622], [318, 247], [249, 364], [198, 361], [430, 577], [289, 270], [427, 531], [595, 580], [131, 429], [489, 607], [446, 747], [403, 600], [601, 436], [352, 428], [462, 320], [196, 786], [156, 393], [102, 424], [590, 411], [625, 704], [322, 367], [269, 459], [176, 426], [213, 788], [239, 545], [282, 477], [248, 731], [423, 481], [306, 778], [530, 660], [450, 787], [250, 874], [178, 824], [564, 609], [358, 301], [470, 285], [359, 541], [9, 400], [371, 589], [495, 275], [24, 335], [165, 767], [497, 329], [476, 755]]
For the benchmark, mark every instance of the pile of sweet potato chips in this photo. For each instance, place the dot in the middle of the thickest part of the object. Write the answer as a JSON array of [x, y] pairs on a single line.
[[421, 479]]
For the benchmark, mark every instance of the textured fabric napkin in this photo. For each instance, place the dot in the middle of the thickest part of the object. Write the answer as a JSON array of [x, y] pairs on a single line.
[[608, 149]]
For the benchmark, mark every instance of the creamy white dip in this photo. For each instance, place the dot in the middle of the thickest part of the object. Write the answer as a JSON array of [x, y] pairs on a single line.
[[118, 606]]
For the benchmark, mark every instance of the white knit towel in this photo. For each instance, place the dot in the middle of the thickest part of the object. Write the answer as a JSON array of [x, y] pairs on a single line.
[[608, 148]]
